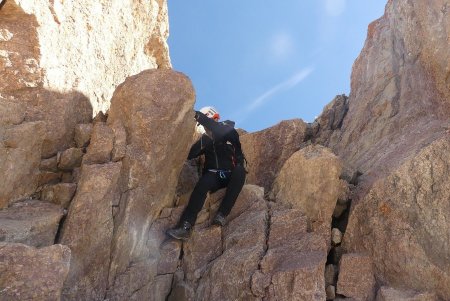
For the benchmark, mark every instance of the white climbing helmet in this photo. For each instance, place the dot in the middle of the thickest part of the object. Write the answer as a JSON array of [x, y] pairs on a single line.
[[210, 112]]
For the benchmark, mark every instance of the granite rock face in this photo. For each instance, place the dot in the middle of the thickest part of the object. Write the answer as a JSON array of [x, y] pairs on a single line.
[[400, 88], [264, 252], [267, 150], [407, 217], [72, 49], [88, 231], [20, 160], [33, 223], [122, 189], [27, 273]]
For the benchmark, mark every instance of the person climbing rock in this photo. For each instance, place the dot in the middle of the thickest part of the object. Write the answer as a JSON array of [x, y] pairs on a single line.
[[223, 167]]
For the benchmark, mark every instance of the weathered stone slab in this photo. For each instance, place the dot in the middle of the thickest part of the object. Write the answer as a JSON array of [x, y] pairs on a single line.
[[102, 141], [60, 194], [391, 294], [356, 278], [27, 273], [88, 231], [34, 223], [20, 153]]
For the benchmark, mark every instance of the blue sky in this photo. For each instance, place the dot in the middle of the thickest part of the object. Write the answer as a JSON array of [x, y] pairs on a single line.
[[260, 62]]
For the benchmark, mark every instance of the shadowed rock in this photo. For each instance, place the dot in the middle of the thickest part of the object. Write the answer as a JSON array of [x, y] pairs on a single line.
[[33, 223]]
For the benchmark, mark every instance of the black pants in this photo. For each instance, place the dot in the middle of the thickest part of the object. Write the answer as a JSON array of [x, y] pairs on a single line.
[[211, 182]]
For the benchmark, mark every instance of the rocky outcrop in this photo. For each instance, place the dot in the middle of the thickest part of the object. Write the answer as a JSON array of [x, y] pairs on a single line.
[[396, 133], [71, 50], [267, 150], [407, 217], [264, 252], [400, 90], [27, 273], [123, 188]]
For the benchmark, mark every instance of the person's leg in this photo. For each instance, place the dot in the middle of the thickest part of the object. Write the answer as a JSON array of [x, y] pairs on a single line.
[[208, 182], [233, 189]]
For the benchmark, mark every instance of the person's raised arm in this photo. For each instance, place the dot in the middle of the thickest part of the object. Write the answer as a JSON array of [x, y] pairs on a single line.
[[218, 130]]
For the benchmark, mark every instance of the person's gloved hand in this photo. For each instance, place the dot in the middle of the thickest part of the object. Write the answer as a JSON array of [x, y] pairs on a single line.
[[197, 114]]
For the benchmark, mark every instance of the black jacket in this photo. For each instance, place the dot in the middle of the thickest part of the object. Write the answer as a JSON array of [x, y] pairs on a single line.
[[223, 150]]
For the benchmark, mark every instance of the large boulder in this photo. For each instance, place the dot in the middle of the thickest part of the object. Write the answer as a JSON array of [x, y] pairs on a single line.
[[406, 215], [310, 181], [27, 273], [155, 109], [267, 150]]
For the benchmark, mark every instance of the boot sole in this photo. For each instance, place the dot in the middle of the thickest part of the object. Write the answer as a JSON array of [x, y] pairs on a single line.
[[177, 237]]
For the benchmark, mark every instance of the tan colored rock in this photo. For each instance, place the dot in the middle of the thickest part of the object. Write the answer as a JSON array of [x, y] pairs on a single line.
[[330, 120], [356, 278], [286, 225], [399, 89], [120, 142], [20, 155], [19, 52], [50, 33], [50, 164], [309, 181], [70, 158], [48, 177], [336, 236], [147, 184], [260, 282], [407, 215], [83, 134], [33, 223], [167, 251], [102, 141], [88, 231], [61, 112], [27, 273], [11, 112], [229, 276], [204, 246], [301, 278], [295, 259], [391, 294], [331, 292], [267, 150], [60, 194]]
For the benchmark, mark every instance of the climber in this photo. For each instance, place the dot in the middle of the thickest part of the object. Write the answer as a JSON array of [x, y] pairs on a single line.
[[223, 167]]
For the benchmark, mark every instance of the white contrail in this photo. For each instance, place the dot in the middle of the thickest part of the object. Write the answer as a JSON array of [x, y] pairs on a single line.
[[283, 86]]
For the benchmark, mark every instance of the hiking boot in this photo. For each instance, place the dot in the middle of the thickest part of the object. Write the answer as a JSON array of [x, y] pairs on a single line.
[[181, 232], [219, 219]]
